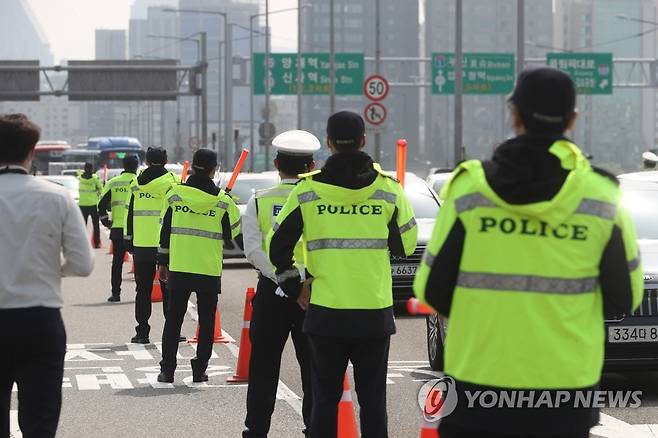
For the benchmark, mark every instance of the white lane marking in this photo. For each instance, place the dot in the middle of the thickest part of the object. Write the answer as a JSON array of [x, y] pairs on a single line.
[[138, 351], [283, 392], [389, 376], [14, 429], [88, 382], [611, 427]]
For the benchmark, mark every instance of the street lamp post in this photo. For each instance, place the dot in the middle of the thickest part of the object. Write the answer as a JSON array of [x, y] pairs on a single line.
[[228, 79]]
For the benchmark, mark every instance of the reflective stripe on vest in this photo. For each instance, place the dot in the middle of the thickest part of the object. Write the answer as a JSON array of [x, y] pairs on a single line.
[[146, 213], [313, 245], [527, 283], [197, 233]]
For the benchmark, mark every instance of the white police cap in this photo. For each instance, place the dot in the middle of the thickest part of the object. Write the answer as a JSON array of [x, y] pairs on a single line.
[[296, 142], [650, 156]]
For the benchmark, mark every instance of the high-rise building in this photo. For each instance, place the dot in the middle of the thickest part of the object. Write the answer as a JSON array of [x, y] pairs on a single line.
[[239, 13], [110, 44], [21, 34], [615, 128], [488, 26], [354, 31]]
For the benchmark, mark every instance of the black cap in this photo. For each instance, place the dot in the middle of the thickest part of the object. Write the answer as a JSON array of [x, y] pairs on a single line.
[[204, 160], [130, 162], [345, 129], [545, 98], [156, 156]]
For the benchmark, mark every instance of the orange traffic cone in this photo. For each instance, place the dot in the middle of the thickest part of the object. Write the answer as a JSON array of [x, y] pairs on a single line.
[[242, 369], [217, 338], [429, 429], [346, 418], [126, 258], [156, 292]]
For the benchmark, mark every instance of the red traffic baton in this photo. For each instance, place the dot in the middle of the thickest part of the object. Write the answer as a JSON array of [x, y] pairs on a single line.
[[402, 160], [186, 168], [415, 307], [237, 169]]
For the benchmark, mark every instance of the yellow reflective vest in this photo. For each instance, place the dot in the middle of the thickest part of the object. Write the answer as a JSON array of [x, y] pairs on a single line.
[[196, 241], [527, 309], [89, 190], [149, 200], [346, 240], [119, 188]]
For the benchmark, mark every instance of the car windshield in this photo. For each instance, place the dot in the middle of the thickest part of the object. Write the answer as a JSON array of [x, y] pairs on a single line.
[[243, 189], [422, 201], [641, 200], [69, 183]]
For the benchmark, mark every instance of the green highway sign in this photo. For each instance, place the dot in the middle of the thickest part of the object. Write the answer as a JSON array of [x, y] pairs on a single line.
[[484, 73], [591, 72], [315, 73]]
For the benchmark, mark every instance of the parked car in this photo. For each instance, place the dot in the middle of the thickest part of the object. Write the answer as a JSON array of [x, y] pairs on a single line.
[[425, 204], [438, 179], [70, 183], [631, 340], [245, 186]]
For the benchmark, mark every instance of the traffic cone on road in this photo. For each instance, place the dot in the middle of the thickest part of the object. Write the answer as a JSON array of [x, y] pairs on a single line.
[[244, 355], [217, 338], [126, 258], [346, 419], [156, 292], [429, 429]]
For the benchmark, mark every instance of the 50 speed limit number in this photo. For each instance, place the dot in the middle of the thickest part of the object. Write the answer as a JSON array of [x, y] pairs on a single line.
[[375, 87]]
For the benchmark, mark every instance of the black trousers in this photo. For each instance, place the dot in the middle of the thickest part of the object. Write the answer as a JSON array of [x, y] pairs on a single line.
[[92, 210], [451, 430], [369, 356], [273, 319], [118, 254], [34, 344], [144, 276], [206, 306]]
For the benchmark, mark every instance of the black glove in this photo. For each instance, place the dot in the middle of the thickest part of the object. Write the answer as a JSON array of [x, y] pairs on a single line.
[[107, 223], [128, 245]]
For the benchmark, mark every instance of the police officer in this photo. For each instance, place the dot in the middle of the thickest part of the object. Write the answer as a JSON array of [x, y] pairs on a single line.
[[531, 249], [90, 188], [197, 220], [350, 215], [649, 160], [115, 196], [275, 316], [142, 233]]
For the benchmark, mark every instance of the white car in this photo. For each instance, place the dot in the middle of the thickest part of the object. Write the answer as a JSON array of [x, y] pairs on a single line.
[[438, 180], [245, 186], [70, 183]]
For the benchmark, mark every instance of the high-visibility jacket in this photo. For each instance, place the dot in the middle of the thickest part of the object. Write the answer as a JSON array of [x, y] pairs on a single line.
[[269, 203], [196, 242], [345, 236], [89, 189], [527, 309], [119, 188], [147, 207]]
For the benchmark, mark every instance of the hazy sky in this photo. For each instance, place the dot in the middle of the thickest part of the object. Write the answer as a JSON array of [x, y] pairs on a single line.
[[69, 24]]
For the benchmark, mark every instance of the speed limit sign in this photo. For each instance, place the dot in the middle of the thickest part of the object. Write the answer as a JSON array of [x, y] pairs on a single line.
[[375, 87]]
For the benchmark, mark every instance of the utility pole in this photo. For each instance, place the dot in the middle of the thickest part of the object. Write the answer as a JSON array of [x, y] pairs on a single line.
[[378, 66], [300, 84], [204, 92], [332, 60], [252, 145], [267, 80], [228, 93], [162, 123], [459, 83], [520, 35]]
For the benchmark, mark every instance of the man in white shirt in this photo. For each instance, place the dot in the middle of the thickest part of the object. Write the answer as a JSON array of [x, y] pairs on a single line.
[[275, 316], [40, 223]]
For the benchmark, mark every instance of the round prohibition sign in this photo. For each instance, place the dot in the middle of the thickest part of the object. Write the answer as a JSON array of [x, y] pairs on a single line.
[[375, 87], [375, 113]]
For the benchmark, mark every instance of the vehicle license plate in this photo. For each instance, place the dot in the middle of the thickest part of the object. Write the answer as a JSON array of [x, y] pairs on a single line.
[[403, 270], [633, 333]]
